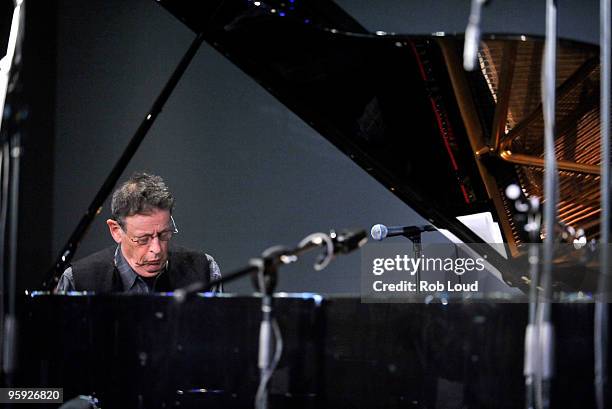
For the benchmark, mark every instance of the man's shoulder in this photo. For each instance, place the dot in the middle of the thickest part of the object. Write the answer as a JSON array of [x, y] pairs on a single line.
[[185, 254], [187, 266], [95, 271], [102, 257], [175, 249]]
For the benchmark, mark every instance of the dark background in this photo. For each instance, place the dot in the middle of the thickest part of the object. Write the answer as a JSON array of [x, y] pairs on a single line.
[[247, 173]]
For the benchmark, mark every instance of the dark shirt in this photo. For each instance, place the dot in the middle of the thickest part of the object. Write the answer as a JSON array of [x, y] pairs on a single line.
[[132, 282]]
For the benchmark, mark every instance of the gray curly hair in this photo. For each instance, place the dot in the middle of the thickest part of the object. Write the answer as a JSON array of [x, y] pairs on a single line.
[[142, 193]]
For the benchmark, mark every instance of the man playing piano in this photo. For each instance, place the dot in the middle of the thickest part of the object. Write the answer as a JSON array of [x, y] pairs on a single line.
[[143, 261]]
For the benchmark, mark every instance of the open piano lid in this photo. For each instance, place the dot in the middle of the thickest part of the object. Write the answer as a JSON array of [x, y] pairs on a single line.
[[445, 141]]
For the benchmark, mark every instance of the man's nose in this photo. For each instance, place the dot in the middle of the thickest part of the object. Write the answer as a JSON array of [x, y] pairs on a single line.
[[155, 245]]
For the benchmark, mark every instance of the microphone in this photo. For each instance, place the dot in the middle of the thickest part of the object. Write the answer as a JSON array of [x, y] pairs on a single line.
[[380, 231]]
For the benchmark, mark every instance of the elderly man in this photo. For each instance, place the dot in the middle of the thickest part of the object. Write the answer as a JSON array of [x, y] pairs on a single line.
[[143, 261]]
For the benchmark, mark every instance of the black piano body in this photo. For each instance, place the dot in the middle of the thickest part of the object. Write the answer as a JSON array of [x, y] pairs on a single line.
[[152, 352]]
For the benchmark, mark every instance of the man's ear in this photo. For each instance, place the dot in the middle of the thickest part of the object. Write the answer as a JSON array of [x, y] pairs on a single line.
[[115, 230]]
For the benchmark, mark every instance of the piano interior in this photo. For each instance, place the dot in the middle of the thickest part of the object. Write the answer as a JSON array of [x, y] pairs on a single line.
[[392, 103]]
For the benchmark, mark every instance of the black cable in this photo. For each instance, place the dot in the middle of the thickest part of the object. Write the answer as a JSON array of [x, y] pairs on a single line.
[[261, 396]]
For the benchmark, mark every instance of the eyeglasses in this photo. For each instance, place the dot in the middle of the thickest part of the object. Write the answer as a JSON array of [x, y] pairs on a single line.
[[164, 235]]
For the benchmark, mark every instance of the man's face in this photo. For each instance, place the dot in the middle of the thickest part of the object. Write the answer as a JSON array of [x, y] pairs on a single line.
[[146, 260]]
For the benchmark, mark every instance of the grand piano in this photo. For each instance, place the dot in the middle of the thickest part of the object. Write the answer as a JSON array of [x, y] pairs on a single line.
[[393, 104]]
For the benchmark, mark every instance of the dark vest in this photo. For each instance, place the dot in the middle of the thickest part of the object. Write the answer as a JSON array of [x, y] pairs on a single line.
[[97, 271]]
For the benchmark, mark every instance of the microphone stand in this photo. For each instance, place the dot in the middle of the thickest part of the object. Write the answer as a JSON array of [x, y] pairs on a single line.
[[337, 243], [417, 246], [415, 238], [601, 318], [266, 279], [531, 335], [283, 257], [472, 35], [264, 270], [544, 327]]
